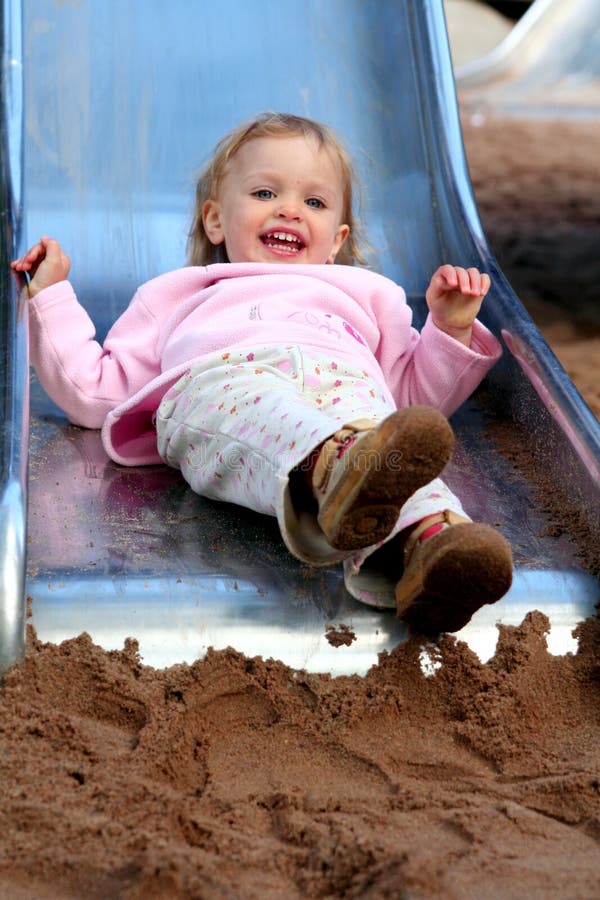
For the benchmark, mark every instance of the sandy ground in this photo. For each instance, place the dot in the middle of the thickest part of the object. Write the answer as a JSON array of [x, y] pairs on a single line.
[[240, 778]]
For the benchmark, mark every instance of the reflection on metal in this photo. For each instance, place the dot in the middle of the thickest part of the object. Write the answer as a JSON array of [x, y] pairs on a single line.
[[177, 620], [13, 356], [549, 64], [120, 112]]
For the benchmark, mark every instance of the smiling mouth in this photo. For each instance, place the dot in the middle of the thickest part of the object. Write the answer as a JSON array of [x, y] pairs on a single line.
[[283, 241]]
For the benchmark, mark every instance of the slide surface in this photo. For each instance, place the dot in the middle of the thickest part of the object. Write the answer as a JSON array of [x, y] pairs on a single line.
[[120, 111]]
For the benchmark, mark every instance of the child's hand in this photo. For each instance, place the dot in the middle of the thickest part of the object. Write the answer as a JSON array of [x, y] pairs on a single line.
[[46, 263], [454, 298]]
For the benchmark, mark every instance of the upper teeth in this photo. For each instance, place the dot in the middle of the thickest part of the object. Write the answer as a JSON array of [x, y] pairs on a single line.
[[283, 236]]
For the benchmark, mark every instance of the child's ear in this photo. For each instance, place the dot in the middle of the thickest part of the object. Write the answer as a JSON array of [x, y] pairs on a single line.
[[211, 219], [340, 236]]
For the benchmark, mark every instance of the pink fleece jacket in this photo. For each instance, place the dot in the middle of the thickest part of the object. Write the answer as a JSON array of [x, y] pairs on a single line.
[[181, 318]]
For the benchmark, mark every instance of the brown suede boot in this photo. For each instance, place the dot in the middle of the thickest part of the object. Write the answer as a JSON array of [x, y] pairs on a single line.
[[448, 576], [366, 472]]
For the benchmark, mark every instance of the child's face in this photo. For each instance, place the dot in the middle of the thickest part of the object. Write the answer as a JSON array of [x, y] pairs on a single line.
[[280, 201]]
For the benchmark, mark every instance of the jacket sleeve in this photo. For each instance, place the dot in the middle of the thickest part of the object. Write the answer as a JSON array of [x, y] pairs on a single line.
[[86, 378], [429, 367], [437, 370]]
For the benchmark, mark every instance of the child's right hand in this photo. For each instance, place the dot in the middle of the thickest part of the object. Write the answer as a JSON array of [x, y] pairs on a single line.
[[46, 263]]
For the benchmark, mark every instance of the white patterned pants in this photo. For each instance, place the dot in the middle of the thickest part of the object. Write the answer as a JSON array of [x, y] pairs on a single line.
[[237, 424]]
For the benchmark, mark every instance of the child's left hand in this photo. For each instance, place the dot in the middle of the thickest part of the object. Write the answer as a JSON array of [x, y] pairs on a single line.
[[454, 298]]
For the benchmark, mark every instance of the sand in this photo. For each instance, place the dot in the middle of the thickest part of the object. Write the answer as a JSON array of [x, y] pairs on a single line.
[[538, 190], [241, 778]]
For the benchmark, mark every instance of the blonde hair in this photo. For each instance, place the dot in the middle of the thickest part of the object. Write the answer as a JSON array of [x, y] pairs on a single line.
[[202, 252]]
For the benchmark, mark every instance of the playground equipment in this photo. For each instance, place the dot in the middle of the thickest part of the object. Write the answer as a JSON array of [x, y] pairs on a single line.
[[120, 108], [548, 64]]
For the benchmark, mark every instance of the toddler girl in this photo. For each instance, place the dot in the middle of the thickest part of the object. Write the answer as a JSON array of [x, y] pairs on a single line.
[[276, 379]]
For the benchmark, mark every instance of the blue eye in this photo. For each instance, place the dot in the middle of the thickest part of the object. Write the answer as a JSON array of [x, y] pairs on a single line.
[[315, 203], [264, 194]]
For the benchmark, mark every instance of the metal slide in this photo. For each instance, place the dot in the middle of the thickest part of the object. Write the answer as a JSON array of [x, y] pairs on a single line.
[[123, 102], [548, 64]]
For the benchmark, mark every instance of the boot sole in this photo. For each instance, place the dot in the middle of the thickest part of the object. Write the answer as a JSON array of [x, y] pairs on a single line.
[[405, 452], [464, 568]]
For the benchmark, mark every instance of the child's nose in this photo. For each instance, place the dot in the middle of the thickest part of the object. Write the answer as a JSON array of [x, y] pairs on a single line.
[[290, 209]]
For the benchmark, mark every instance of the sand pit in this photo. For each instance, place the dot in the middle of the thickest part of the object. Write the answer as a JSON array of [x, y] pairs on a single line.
[[241, 778]]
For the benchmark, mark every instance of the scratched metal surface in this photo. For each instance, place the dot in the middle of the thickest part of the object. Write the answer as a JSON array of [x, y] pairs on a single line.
[[120, 111]]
